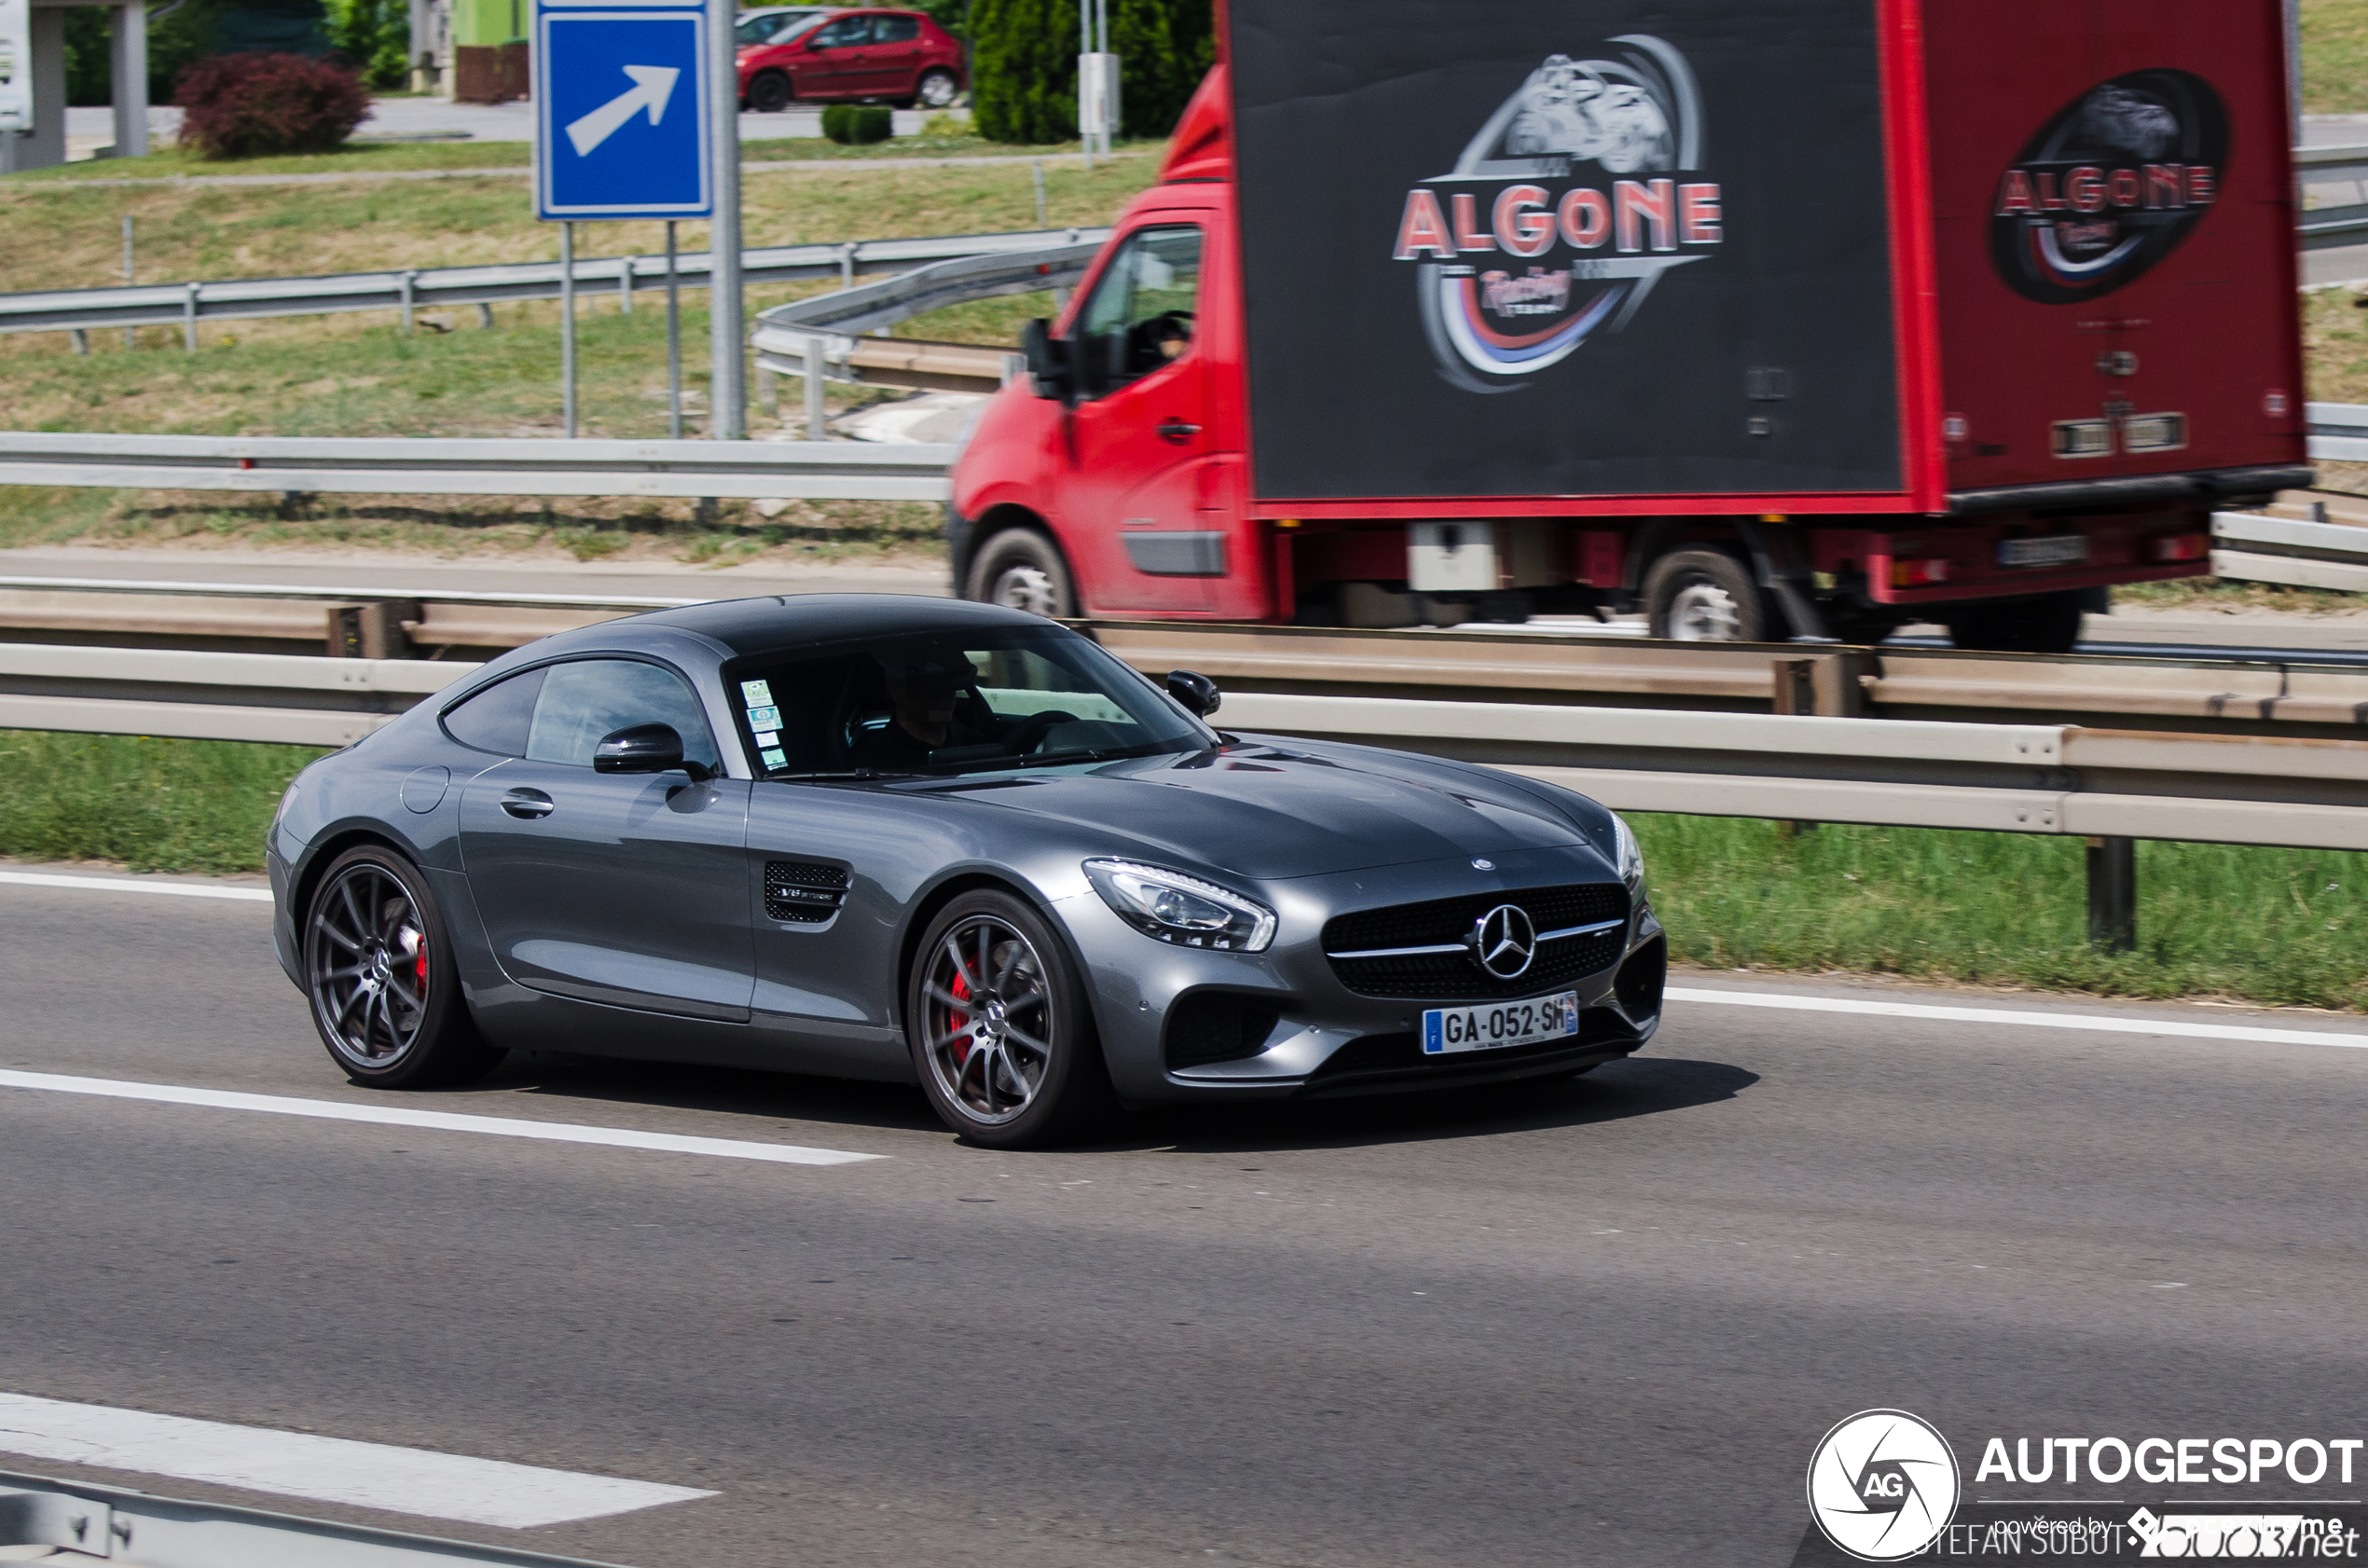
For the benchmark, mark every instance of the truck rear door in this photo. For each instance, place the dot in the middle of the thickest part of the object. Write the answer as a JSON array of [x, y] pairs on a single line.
[[2115, 250]]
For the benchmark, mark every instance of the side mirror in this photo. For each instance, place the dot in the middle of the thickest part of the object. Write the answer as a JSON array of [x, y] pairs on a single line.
[[644, 748], [1047, 361], [1195, 691]]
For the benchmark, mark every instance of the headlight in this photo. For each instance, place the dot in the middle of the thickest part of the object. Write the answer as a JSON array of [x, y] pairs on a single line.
[[1631, 858], [1180, 909]]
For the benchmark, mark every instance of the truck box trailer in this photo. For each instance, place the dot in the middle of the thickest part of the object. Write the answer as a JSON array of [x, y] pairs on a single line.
[[1774, 317]]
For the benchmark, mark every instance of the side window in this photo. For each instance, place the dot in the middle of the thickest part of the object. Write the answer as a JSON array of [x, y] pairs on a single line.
[[897, 30], [588, 699], [843, 32], [1142, 313], [498, 717], [756, 29]]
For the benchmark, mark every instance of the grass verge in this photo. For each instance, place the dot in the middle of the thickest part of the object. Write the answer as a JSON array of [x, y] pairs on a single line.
[[154, 804], [2335, 57], [2282, 927], [1998, 908]]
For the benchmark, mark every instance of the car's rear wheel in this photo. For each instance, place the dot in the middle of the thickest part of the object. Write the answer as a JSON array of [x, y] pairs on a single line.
[[1022, 569], [770, 93], [379, 972], [2049, 624], [1000, 1027], [936, 90]]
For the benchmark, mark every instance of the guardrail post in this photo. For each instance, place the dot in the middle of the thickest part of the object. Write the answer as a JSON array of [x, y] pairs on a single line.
[[625, 287], [2113, 894], [818, 416], [189, 317], [485, 316], [82, 340], [409, 326], [372, 631]]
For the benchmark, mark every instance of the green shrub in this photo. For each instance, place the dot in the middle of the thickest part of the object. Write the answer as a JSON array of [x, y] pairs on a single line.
[[857, 125]]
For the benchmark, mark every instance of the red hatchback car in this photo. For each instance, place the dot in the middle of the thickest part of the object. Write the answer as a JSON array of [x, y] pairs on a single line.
[[900, 56]]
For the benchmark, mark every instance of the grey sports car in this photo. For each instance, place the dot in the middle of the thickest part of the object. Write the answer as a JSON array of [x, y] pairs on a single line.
[[942, 843]]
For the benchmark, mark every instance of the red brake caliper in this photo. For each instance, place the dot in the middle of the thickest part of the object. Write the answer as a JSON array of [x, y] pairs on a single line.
[[420, 969], [958, 1022]]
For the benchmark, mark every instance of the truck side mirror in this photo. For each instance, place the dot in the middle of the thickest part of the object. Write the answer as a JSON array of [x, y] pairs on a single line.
[[1048, 366]]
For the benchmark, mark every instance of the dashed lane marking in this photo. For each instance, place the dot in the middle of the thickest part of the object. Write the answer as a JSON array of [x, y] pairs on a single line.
[[440, 1120], [136, 885], [364, 1474]]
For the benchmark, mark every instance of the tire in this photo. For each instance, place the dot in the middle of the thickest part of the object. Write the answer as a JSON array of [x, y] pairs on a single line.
[[2050, 624], [1706, 595], [1020, 569], [1025, 1071], [379, 973], [770, 93], [936, 90]]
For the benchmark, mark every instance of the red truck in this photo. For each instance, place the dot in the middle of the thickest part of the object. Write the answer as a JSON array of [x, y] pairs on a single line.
[[1801, 319]]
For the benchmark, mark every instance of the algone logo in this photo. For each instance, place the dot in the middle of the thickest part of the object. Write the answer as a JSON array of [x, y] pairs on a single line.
[[1882, 1485]]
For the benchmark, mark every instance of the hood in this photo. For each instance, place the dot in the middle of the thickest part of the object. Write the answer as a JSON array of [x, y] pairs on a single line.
[[1271, 813]]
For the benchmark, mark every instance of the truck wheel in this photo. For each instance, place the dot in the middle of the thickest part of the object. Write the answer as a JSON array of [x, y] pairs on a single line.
[[2036, 626], [1022, 569], [1704, 596]]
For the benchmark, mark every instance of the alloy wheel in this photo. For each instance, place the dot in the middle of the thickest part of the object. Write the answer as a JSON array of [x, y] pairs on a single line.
[[367, 959], [938, 91], [989, 1019]]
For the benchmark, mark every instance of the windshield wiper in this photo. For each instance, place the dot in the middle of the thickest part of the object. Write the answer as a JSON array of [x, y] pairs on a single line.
[[856, 775]]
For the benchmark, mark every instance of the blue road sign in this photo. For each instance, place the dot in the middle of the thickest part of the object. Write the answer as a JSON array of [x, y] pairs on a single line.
[[621, 123]]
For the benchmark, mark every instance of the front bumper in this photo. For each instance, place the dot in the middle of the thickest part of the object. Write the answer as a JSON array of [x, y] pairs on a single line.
[[1309, 1034]]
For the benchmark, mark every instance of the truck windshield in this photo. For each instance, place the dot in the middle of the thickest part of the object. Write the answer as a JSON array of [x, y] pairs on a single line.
[[973, 702]]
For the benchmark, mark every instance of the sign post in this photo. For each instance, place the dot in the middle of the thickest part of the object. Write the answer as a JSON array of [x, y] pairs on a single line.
[[727, 380], [621, 93]]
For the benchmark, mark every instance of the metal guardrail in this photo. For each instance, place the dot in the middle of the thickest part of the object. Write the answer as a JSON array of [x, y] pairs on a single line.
[[833, 324], [414, 289], [2325, 227], [756, 470], [2030, 779], [98, 1523]]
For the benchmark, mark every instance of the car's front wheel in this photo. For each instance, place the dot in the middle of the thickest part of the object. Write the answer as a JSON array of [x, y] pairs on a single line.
[[1000, 1027], [937, 90], [379, 971]]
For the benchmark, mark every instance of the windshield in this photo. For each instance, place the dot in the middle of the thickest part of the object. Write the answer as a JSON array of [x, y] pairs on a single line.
[[974, 702], [777, 27]]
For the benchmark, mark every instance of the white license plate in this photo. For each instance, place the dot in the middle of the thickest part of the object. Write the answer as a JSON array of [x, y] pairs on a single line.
[[1449, 1029], [2060, 549]]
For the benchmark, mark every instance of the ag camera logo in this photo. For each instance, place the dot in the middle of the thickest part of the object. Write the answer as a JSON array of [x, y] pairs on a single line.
[[1882, 1485]]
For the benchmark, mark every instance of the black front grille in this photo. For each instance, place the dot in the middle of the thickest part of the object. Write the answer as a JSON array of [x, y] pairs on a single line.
[[1459, 975], [802, 892]]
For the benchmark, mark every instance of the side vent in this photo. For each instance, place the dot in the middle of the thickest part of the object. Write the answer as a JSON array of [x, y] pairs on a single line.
[[802, 892]]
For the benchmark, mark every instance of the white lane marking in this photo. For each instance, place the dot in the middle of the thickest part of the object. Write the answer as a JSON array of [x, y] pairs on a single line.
[[136, 885], [441, 1120], [2102, 1023], [325, 1469]]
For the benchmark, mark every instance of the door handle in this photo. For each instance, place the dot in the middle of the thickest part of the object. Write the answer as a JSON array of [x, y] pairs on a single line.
[[1175, 431], [527, 805]]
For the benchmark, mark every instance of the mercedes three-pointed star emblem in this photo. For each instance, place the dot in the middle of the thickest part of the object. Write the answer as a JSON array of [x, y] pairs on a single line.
[[1505, 940]]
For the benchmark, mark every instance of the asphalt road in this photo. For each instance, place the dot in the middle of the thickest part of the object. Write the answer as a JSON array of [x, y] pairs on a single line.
[[1600, 1323]]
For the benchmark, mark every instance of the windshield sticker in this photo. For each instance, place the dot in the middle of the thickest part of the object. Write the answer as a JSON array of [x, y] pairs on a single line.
[[757, 693]]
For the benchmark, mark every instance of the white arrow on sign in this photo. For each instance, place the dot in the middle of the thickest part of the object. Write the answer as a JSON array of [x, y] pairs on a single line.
[[653, 85]]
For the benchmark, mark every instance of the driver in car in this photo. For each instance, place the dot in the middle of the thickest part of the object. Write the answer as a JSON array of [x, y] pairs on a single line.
[[923, 696]]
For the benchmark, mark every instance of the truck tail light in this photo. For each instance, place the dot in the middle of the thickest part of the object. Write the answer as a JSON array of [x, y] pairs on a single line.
[[2181, 547], [2082, 438], [2153, 432], [1918, 574]]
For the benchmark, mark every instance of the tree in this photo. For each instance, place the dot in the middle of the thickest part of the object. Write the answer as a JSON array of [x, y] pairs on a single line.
[[1024, 65]]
